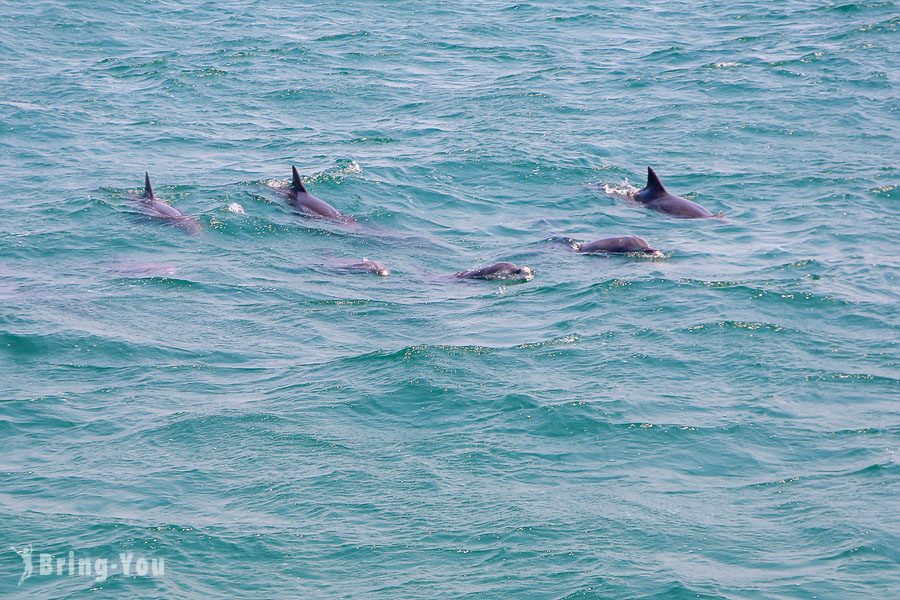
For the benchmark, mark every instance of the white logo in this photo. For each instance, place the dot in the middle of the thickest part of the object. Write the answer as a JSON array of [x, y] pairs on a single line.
[[99, 569], [25, 553]]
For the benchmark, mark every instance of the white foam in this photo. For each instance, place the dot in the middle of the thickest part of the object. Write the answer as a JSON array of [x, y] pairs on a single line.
[[623, 190], [345, 170], [278, 184], [351, 169], [236, 209]]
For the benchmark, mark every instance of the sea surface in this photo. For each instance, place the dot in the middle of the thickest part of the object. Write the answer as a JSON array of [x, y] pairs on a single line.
[[719, 422]]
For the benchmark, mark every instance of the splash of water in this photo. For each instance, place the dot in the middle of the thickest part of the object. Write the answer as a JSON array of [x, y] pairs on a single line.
[[624, 190]]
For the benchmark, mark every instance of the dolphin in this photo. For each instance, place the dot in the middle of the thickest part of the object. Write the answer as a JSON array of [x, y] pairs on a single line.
[[309, 204], [503, 270], [616, 245], [367, 266], [654, 196], [143, 269], [157, 207]]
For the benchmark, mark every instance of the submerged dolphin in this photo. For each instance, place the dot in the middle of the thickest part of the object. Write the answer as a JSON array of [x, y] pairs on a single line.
[[503, 270], [143, 269], [309, 204], [158, 207], [616, 245], [654, 196], [367, 266]]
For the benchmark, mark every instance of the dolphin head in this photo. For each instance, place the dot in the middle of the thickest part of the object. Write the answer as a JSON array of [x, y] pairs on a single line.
[[524, 272], [370, 266]]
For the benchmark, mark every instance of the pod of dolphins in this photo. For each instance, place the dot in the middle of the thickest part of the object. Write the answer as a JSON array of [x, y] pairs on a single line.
[[653, 196]]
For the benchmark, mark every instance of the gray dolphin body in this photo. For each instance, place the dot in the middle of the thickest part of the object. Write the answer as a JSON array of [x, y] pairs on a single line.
[[368, 266], [309, 204], [654, 196], [156, 207], [616, 245], [503, 270], [143, 269]]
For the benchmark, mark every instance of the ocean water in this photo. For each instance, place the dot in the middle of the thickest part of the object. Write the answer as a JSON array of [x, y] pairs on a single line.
[[718, 422]]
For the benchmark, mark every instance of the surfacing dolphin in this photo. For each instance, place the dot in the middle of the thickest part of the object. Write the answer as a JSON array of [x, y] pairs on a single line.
[[143, 269], [367, 266], [504, 270], [655, 197], [310, 205], [157, 207], [625, 244]]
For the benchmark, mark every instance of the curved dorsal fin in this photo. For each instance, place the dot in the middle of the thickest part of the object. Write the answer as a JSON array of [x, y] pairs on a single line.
[[296, 184], [653, 182], [148, 189]]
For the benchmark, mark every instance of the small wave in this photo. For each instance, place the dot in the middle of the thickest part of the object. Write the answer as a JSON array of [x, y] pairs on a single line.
[[888, 26], [236, 208], [826, 376], [746, 325], [208, 72], [885, 190], [799, 264], [579, 18], [864, 431], [774, 482], [372, 140], [337, 37], [559, 341], [854, 7], [346, 168]]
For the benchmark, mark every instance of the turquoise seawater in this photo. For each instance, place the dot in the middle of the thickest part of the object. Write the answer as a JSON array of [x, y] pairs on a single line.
[[720, 422]]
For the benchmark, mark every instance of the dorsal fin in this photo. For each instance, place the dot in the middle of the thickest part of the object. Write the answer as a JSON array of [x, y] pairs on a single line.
[[653, 182], [296, 184], [148, 189]]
